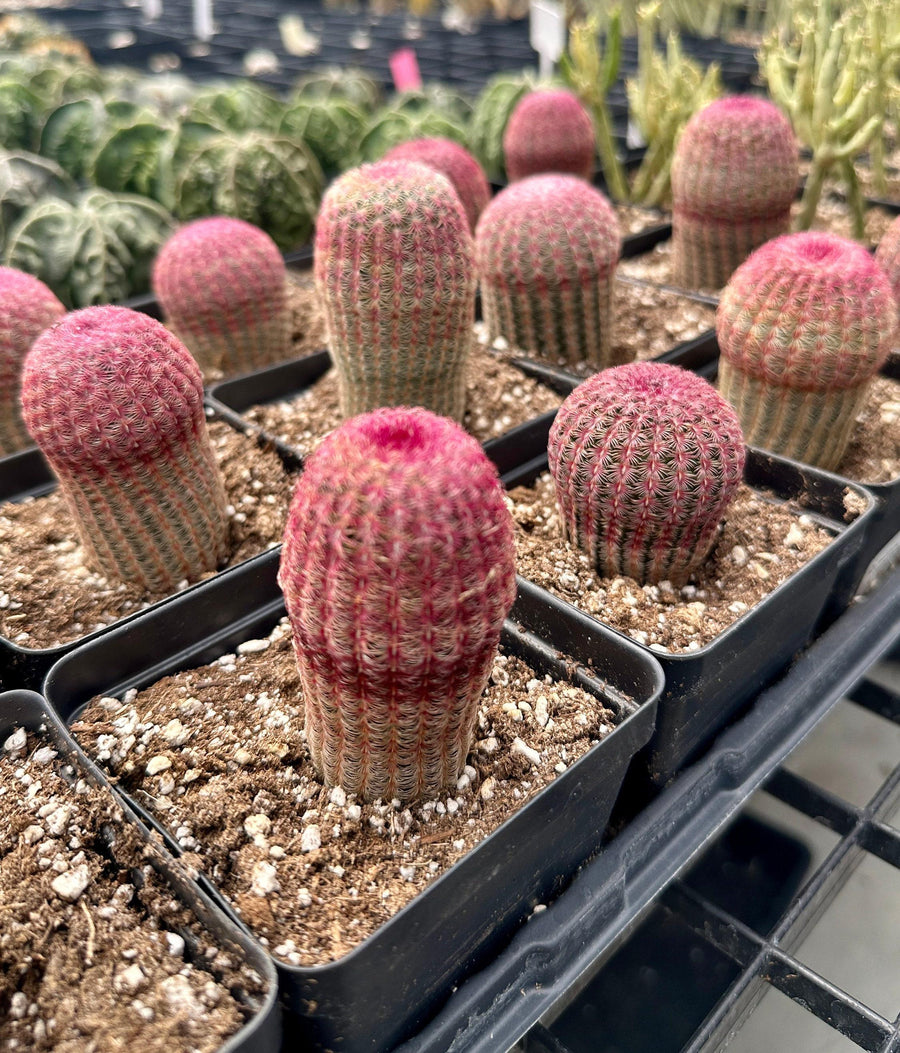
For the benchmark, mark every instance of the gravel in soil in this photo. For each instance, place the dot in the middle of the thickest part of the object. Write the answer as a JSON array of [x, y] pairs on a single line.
[[218, 755], [873, 455], [49, 595], [96, 953]]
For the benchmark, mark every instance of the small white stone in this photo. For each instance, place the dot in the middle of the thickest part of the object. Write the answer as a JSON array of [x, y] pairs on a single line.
[[459, 844], [487, 788], [70, 884], [252, 646], [277, 852], [739, 555], [353, 813], [304, 899], [16, 741], [18, 1005], [463, 782], [338, 796], [408, 873], [794, 537], [531, 755], [311, 838], [542, 710], [257, 825], [157, 764], [452, 806], [175, 944], [44, 755], [32, 834], [263, 879], [174, 732]]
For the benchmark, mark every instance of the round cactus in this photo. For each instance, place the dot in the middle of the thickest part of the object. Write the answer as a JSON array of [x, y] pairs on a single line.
[[395, 272], [115, 403], [456, 163], [645, 459], [221, 284], [398, 571], [734, 176], [491, 114], [546, 250], [803, 326], [27, 308], [549, 131], [888, 255]]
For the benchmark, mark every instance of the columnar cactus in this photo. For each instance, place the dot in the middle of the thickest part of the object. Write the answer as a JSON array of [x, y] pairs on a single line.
[[547, 249], [221, 284], [115, 403], [803, 325], [395, 272], [888, 255], [456, 163], [549, 131], [734, 176], [397, 571], [645, 459], [27, 308]]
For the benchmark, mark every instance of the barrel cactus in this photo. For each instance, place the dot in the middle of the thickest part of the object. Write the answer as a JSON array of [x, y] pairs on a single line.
[[347, 83], [491, 114], [331, 128], [389, 127], [456, 163], [549, 131], [397, 571]]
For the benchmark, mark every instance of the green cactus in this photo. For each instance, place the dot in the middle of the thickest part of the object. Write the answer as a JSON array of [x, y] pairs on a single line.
[[26, 179], [389, 128], [331, 128], [351, 85], [493, 108]]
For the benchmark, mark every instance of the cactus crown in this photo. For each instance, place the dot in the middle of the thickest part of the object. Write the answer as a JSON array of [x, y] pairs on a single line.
[[549, 131]]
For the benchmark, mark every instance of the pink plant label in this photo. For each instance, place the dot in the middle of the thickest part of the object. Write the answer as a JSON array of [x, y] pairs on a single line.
[[405, 70]]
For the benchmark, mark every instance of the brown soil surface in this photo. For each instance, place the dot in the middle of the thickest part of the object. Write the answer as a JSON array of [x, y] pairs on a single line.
[[873, 455]]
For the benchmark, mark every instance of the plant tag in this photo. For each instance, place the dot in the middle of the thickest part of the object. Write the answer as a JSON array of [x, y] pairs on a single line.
[[548, 32], [405, 70], [203, 19]]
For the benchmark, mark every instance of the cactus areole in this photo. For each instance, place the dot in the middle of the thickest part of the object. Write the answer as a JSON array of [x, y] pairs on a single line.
[[645, 459], [397, 572]]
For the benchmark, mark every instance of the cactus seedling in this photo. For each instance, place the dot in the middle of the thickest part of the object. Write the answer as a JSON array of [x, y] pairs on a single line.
[[221, 284], [456, 163], [803, 326], [397, 571], [549, 131], [115, 403], [645, 459], [395, 272], [27, 308]]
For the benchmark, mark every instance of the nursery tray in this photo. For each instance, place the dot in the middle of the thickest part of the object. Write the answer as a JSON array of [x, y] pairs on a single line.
[[262, 1034], [396, 979]]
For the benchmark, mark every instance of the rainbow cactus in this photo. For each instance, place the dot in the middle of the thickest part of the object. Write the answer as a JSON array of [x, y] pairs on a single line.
[[888, 255], [221, 285], [803, 326], [734, 176], [27, 308], [115, 403], [398, 569], [547, 249], [456, 163], [395, 272], [549, 131], [645, 459]]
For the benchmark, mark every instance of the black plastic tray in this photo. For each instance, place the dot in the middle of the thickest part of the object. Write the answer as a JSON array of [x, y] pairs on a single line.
[[261, 1034], [397, 978]]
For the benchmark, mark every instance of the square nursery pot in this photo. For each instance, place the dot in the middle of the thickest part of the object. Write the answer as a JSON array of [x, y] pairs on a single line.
[[706, 688], [393, 981], [262, 1032]]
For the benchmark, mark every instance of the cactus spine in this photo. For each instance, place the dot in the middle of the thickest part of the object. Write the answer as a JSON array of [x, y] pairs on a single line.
[[397, 571], [115, 403], [645, 459], [457, 164], [549, 131]]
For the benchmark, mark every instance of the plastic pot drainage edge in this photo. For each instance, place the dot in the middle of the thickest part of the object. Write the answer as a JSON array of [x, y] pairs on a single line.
[[392, 982], [262, 1033]]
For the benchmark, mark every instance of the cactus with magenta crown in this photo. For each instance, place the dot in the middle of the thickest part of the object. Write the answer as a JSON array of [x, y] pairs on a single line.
[[803, 326], [549, 131], [395, 272], [456, 163], [547, 249], [115, 403], [398, 570], [734, 177], [888, 255], [27, 308], [491, 114], [221, 285], [645, 459]]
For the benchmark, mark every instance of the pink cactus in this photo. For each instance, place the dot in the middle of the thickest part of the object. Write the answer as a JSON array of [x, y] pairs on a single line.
[[803, 326], [734, 176], [221, 285], [27, 308], [549, 131], [888, 255], [547, 249], [115, 403], [397, 571], [645, 459]]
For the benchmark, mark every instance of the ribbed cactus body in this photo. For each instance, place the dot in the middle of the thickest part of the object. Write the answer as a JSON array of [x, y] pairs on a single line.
[[456, 163], [734, 176], [221, 284], [803, 325], [115, 403], [397, 571], [888, 255], [547, 249], [395, 272], [549, 131], [27, 308], [645, 459]]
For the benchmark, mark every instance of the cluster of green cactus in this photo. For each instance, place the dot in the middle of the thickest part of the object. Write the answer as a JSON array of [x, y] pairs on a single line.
[[492, 111]]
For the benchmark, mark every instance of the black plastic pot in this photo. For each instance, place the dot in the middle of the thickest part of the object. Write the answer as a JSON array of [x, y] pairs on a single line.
[[399, 977], [262, 1034]]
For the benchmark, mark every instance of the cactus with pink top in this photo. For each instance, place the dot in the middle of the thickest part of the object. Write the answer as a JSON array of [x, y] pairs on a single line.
[[803, 326], [645, 459], [888, 255], [221, 285], [395, 273], [27, 308], [547, 248], [549, 131], [398, 571], [734, 176], [115, 403]]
